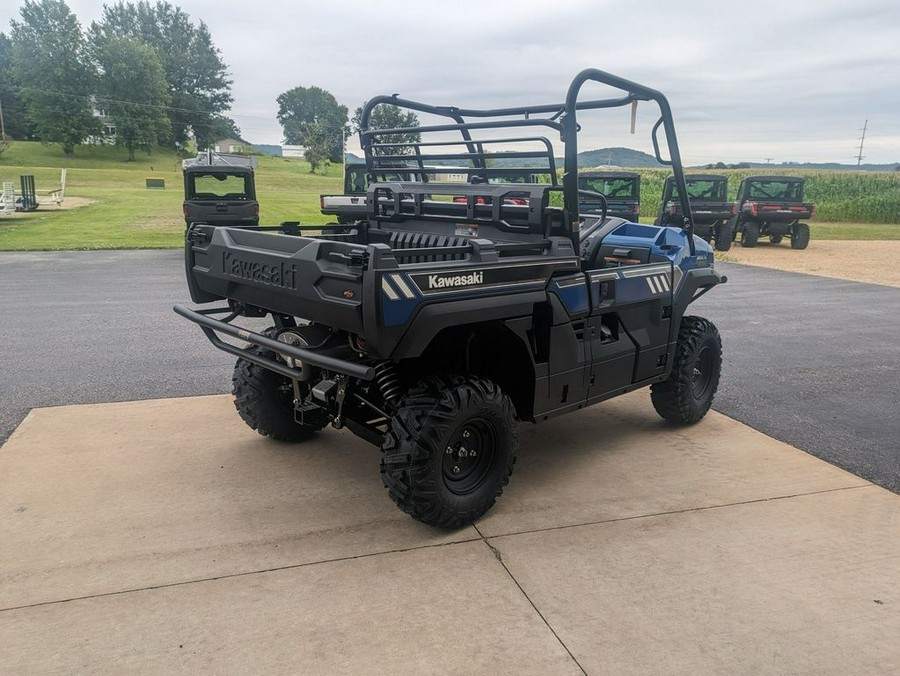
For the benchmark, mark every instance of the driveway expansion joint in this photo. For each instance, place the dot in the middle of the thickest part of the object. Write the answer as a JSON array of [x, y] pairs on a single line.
[[499, 557], [652, 515], [246, 573]]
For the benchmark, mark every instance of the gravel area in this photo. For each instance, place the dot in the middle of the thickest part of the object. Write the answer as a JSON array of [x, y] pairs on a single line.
[[858, 261]]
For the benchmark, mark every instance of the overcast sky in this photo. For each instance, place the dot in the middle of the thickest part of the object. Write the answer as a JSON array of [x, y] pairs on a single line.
[[780, 79]]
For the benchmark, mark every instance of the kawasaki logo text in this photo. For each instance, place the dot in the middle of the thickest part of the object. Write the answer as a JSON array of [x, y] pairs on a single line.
[[454, 281], [280, 274]]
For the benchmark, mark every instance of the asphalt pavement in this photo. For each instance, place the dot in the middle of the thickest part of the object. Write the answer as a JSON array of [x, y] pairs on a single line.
[[808, 360]]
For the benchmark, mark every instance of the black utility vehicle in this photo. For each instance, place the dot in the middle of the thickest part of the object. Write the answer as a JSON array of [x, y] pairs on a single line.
[[622, 190], [220, 190], [433, 327], [772, 206], [351, 206], [710, 207]]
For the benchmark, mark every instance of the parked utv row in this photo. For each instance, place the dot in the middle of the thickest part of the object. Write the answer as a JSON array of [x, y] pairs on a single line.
[[766, 206]]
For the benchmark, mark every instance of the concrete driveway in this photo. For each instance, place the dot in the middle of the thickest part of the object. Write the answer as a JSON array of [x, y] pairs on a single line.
[[164, 536]]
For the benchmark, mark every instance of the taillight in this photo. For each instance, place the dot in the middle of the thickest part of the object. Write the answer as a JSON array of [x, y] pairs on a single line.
[[321, 202], [636, 209], [671, 208], [733, 208], [256, 209], [752, 208]]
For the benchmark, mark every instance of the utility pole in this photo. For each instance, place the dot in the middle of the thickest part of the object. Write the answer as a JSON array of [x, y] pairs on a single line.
[[862, 139], [768, 160], [2, 128]]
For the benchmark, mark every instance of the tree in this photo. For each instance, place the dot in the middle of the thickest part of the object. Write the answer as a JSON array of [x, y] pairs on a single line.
[[318, 140], [388, 116], [132, 92], [54, 74], [312, 117], [223, 127], [196, 77], [12, 108]]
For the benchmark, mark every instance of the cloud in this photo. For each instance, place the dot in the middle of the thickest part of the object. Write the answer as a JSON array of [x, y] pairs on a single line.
[[789, 80]]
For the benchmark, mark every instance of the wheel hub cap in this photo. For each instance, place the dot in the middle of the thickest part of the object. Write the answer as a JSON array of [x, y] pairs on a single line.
[[468, 457]]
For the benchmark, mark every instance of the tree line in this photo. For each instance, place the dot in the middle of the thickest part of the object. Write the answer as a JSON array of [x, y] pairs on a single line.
[[155, 73], [158, 77]]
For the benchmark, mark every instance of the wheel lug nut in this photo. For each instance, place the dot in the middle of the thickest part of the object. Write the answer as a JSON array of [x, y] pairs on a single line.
[[466, 434], [456, 469], [449, 451]]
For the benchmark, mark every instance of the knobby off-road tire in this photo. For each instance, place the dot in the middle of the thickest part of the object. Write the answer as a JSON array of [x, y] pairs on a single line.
[[750, 235], [723, 237], [685, 397], [450, 450], [265, 400], [775, 239], [800, 236]]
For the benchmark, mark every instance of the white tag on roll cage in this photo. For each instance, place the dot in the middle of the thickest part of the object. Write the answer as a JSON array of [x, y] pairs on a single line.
[[633, 115]]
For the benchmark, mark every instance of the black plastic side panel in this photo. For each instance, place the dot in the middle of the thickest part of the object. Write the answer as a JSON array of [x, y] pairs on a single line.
[[612, 355], [434, 318]]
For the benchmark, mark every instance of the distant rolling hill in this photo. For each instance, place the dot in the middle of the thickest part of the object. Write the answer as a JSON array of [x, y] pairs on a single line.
[[627, 157], [617, 157]]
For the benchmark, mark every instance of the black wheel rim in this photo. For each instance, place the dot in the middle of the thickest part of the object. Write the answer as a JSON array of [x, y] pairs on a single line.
[[469, 456], [702, 373]]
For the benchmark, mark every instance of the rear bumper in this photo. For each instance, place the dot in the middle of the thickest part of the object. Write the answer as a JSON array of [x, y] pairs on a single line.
[[211, 326]]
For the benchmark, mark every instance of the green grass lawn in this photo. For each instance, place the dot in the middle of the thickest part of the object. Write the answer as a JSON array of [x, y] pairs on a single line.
[[855, 231], [122, 213]]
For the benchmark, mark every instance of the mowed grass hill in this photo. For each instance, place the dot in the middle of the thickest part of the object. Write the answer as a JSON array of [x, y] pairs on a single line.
[[108, 207]]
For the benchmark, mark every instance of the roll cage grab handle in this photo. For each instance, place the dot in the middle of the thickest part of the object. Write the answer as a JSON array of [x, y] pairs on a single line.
[[562, 118]]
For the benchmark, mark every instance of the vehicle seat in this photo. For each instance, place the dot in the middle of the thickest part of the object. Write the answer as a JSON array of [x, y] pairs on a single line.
[[592, 240]]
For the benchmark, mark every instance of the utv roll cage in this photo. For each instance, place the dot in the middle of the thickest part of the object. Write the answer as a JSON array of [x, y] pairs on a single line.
[[479, 160]]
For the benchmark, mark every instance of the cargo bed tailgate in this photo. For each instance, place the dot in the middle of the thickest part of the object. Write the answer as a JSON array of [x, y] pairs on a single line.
[[316, 279]]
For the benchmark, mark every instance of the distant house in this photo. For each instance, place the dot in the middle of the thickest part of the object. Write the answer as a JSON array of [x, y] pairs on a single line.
[[296, 152], [267, 149], [232, 146], [107, 135]]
